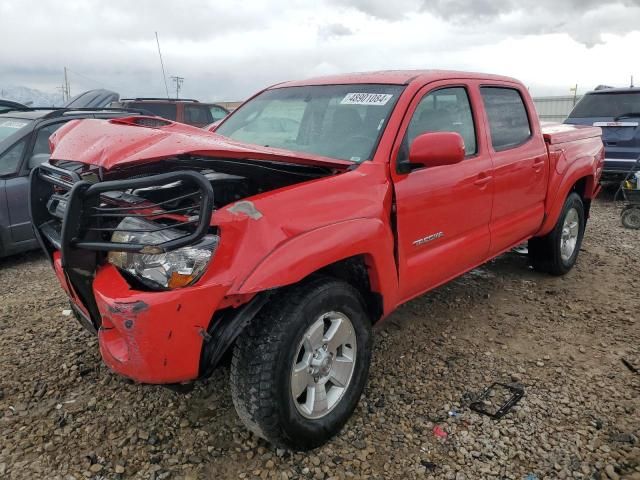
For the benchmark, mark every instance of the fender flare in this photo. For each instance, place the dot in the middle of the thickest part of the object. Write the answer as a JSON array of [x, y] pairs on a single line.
[[308, 252], [573, 175]]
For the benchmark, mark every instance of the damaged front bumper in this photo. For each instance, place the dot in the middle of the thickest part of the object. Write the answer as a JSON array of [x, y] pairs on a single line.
[[149, 336], [153, 337]]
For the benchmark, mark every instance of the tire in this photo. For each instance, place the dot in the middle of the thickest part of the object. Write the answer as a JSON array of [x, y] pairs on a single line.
[[631, 217], [262, 368], [556, 253]]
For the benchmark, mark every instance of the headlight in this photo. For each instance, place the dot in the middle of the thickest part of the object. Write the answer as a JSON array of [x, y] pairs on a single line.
[[174, 269]]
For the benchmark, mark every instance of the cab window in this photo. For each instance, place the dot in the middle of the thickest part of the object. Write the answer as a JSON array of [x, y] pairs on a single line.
[[41, 144], [508, 120], [10, 159], [444, 110]]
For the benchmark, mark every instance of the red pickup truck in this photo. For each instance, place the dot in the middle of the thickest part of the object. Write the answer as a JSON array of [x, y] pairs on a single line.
[[314, 210]]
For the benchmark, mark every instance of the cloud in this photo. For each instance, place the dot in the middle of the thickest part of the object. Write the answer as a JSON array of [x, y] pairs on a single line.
[[333, 30], [584, 20], [227, 51]]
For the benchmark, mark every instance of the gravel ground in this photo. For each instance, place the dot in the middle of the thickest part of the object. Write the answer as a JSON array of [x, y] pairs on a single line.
[[64, 415]]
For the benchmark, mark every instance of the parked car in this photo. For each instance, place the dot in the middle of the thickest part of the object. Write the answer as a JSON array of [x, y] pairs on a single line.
[[98, 98], [191, 112], [617, 112], [288, 241], [10, 105], [24, 143]]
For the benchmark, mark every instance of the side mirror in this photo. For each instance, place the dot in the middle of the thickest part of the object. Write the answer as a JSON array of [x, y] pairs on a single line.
[[435, 149], [37, 159]]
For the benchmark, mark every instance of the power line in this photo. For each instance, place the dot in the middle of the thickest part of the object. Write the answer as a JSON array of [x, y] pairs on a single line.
[[164, 75]]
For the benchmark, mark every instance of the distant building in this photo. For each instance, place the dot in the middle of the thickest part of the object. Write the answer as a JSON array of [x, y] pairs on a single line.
[[231, 106], [555, 109]]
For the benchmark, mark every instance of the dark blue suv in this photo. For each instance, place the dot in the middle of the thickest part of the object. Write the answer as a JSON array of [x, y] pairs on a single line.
[[617, 111]]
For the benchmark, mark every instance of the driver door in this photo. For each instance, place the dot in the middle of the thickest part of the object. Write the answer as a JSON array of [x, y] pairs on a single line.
[[443, 212]]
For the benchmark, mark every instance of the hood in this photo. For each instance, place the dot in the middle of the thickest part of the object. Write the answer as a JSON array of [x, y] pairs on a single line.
[[124, 141]]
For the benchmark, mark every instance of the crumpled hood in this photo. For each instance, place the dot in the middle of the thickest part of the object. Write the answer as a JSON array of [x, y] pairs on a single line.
[[120, 141]]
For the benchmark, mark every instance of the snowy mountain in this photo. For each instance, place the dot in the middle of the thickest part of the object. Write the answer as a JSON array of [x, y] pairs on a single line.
[[31, 96]]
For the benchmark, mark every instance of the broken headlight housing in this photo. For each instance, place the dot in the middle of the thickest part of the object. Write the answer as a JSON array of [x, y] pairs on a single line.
[[174, 269]]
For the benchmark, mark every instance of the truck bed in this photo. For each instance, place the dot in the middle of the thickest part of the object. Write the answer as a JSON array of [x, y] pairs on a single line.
[[563, 133]]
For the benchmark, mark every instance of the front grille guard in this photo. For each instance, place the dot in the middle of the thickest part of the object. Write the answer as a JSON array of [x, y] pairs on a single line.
[[80, 235], [85, 213]]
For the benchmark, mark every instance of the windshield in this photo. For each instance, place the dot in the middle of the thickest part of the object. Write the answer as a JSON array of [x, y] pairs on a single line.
[[607, 105], [337, 121], [9, 126]]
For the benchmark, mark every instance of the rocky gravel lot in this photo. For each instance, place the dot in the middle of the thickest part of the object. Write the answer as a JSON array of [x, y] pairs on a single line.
[[63, 415]]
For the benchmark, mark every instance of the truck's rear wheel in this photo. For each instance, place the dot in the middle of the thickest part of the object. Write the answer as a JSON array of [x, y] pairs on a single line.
[[557, 252], [300, 367]]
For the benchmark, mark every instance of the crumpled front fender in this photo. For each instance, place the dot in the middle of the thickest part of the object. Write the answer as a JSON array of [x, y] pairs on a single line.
[[308, 252]]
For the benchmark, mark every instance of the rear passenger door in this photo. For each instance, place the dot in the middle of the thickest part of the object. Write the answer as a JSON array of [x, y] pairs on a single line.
[[520, 166], [442, 212]]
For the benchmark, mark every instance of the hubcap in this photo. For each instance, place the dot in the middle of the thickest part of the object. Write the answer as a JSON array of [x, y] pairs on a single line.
[[569, 237], [324, 364]]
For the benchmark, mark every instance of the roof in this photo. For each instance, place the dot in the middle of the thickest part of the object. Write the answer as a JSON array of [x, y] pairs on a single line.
[[615, 90], [31, 114], [392, 77], [48, 113], [159, 100]]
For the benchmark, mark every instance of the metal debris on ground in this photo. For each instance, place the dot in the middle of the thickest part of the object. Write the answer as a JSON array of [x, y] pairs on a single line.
[[630, 366], [516, 393]]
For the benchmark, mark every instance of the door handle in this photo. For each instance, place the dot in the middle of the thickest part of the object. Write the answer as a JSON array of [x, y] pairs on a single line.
[[538, 163], [482, 180]]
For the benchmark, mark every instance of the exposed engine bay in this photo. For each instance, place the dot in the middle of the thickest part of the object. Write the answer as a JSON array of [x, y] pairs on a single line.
[[152, 221], [231, 180]]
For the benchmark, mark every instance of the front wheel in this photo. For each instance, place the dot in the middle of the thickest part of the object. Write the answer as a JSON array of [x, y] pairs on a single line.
[[300, 367], [557, 252]]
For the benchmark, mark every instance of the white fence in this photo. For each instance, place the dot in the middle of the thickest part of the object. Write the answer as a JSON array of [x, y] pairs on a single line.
[[555, 109]]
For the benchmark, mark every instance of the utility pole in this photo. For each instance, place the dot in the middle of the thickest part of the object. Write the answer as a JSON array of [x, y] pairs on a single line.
[[575, 94], [178, 81], [66, 87]]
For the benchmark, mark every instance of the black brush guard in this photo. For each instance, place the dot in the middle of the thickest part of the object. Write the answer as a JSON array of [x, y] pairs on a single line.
[[88, 205]]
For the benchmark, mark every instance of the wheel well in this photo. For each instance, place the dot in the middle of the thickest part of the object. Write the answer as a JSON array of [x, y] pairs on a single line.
[[227, 324], [581, 187], [354, 271]]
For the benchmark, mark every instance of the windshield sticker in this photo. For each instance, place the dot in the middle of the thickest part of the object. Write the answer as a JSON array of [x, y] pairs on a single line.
[[13, 124], [366, 99]]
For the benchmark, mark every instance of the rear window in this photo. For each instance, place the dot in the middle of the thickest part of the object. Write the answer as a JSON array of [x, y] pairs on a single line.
[[508, 120], [164, 110], [217, 113], [197, 115], [9, 126], [607, 105]]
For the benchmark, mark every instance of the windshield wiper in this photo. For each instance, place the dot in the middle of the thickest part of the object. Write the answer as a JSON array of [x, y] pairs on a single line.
[[627, 115]]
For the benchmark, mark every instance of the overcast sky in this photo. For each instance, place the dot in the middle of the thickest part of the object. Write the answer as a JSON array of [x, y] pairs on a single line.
[[227, 50]]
